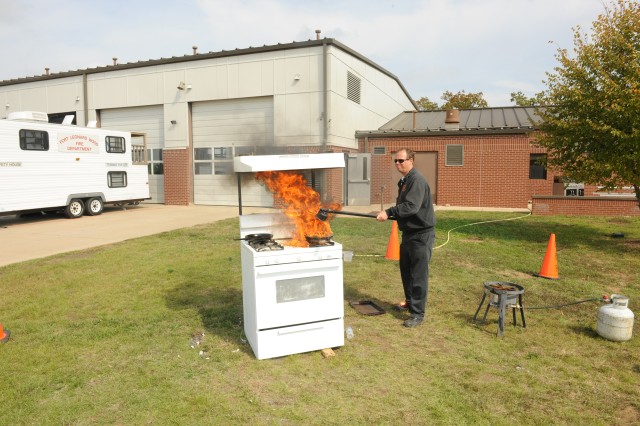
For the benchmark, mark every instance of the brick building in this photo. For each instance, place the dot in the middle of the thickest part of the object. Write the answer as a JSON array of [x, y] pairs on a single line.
[[481, 158]]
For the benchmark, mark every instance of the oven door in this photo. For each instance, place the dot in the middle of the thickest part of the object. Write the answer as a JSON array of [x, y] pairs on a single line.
[[298, 293]]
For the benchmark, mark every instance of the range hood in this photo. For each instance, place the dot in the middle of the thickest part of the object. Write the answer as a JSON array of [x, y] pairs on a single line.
[[265, 163]]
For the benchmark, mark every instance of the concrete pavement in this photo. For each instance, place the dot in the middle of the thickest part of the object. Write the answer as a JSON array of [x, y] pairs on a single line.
[[24, 239], [35, 237]]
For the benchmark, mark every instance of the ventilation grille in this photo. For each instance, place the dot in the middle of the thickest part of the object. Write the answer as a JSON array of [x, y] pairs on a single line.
[[353, 88], [455, 155], [379, 150]]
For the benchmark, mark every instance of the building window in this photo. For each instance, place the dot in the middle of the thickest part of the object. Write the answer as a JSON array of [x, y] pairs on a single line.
[[155, 166], [117, 179], [353, 88], [537, 166], [454, 155], [34, 140], [213, 161], [115, 144], [223, 161], [203, 161]]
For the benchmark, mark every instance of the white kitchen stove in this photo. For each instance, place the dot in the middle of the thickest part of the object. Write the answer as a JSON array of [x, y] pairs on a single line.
[[293, 297]]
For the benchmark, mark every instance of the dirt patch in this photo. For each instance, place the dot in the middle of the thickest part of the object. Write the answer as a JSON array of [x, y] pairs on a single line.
[[510, 274], [472, 240], [629, 416], [463, 263], [633, 243]]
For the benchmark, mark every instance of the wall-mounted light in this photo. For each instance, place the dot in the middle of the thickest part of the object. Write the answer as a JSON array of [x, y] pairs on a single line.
[[296, 77], [7, 106], [77, 98], [188, 87], [181, 85], [174, 122]]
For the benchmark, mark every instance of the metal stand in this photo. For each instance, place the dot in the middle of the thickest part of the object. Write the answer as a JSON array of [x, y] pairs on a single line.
[[502, 295]]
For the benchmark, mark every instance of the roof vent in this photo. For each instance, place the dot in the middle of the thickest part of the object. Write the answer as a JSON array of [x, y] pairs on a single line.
[[195, 49], [115, 61], [46, 71], [452, 120], [29, 115], [318, 34], [453, 116]]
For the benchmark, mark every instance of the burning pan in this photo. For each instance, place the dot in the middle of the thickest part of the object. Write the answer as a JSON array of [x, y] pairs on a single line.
[[318, 240], [256, 237]]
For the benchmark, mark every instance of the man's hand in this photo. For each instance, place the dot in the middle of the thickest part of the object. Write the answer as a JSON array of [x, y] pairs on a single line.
[[382, 216]]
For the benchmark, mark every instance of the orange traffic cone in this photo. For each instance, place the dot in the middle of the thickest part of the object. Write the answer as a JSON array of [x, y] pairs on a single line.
[[550, 263], [393, 248], [4, 334]]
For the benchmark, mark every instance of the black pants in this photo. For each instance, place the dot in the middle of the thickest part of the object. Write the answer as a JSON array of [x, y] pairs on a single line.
[[415, 254]]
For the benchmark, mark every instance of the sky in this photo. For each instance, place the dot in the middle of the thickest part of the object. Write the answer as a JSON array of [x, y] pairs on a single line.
[[491, 46]]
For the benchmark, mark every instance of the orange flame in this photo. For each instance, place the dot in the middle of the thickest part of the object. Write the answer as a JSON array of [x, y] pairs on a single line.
[[301, 204]]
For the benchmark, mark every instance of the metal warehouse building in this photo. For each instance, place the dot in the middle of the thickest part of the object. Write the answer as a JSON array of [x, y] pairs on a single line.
[[200, 110]]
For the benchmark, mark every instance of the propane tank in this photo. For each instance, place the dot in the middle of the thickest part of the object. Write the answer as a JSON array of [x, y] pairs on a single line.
[[615, 321]]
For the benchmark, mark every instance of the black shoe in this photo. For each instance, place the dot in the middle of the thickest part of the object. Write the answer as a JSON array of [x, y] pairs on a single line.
[[402, 306], [413, 322]]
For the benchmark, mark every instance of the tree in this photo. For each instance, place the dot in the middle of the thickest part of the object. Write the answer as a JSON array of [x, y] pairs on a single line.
[[425, 104], [592, 129], [521, 99], [462, 100]]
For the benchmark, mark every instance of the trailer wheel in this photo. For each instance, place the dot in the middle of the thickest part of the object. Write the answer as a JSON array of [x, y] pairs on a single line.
[[93, 206], [74, 209]]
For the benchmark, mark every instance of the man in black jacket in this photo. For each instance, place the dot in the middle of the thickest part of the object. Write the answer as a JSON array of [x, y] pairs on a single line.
[[417, 220]]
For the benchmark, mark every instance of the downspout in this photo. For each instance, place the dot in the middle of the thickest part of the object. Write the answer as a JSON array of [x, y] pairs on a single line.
[[85, 98], [325, 95]]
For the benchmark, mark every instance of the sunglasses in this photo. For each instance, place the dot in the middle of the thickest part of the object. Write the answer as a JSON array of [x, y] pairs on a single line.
[[401, 160]]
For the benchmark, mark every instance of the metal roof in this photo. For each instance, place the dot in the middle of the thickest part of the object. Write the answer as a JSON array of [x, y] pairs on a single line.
[[211, 55], [492, 120]]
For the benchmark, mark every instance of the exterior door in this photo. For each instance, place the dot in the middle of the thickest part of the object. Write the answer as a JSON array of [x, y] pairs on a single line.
[[427, 164], [358, 179]]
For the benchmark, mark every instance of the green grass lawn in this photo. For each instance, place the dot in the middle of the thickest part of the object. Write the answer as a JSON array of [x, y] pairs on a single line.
[[102, 336]]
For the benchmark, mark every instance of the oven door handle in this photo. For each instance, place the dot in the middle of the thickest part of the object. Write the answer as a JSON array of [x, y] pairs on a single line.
[[314, 267], [284, 333]]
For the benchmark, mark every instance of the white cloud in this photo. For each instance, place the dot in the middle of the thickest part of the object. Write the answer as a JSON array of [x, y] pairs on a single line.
[[492, 46]]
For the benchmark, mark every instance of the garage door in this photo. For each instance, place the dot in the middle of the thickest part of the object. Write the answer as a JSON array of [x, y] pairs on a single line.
[[148, 120], [222, 130]]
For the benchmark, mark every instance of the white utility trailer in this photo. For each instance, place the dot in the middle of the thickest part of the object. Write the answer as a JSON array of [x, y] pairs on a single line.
[[48, 167]]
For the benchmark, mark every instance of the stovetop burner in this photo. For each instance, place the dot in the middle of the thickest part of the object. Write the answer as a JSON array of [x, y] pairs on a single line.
[[264, 245]]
